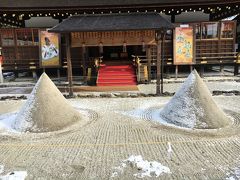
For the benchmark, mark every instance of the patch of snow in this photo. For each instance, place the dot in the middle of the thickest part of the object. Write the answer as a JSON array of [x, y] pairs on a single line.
[[235, 175], [156, 117], [169, 150], [146, 168], [118, 170], [179, 110], [24, 114], [231, 178], [15, 175], [169, 147], [114, 174], [7, 121], [1, 169], [137, 113]]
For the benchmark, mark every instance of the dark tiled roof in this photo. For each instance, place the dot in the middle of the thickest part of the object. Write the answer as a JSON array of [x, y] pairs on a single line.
[[95, 3], [112, 22]]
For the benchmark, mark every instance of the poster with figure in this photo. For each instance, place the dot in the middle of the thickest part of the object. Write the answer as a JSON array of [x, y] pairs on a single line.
[[183, 45], [49, 49]]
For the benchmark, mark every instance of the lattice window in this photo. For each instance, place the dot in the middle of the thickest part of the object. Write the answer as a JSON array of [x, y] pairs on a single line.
[[24, 37], [210, 30], [7, 36], [227, 29]]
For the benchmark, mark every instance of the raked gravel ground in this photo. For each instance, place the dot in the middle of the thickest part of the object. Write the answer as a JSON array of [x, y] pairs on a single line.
[[118, 128]]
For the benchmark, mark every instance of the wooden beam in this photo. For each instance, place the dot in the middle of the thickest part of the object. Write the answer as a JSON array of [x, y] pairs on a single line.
[[222, 69], [191, 68], [1, 74], [201, 70], [162, 59], [236, 69], [59, 75], [172, 18], [84, 56], [149, 59], [69, 64], [176, 72], [158, 90]]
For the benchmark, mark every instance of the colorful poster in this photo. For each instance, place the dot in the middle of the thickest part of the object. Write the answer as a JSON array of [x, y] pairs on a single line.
[[183, 46], [49, 49]]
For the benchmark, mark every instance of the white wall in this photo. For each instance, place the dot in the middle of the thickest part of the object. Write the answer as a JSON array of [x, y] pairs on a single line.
[[41, 22]]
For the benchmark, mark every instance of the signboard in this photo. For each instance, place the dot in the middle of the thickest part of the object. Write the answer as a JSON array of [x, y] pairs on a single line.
[[183, 45], [49, 49]]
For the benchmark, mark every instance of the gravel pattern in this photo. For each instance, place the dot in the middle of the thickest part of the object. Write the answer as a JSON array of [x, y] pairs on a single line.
[[112, 135]]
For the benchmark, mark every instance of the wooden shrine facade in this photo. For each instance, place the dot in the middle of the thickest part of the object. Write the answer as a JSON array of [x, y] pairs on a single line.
[[214, 43], [15, 12]]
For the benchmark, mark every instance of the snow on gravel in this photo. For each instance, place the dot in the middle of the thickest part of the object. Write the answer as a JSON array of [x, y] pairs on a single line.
[[154, 116], [14, 175], [145, 168], [7, 120], [235, 175], [25, 112], [1, 169]]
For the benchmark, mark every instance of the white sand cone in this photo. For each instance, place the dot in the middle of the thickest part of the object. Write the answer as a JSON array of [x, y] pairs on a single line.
[[193, 106], [45, 110]]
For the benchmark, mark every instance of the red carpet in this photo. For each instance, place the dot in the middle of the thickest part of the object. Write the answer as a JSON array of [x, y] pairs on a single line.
[[116, 75]]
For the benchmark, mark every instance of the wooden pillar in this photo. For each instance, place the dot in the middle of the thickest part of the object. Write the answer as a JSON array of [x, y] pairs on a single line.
[[201, 71], [15, 50], [84, 57], [34, 75], [162, 60], [221, 68], [158, 90], [167, 71], [1, 74], [176, 72], [149, 59], [236, 69], [69, 64], [191, 68], [58, 75], [172, 18]]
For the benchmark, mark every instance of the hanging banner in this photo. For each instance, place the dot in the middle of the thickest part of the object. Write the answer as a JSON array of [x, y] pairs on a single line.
[[49, 49], [183, 45]]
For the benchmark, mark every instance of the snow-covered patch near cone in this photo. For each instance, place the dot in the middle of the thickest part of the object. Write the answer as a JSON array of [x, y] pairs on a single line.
[[137, 113], [118, 170], [45, 110], [7, 120], [15, 175], [193, 107], [1, 169], [234, 175], [145, 168]]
